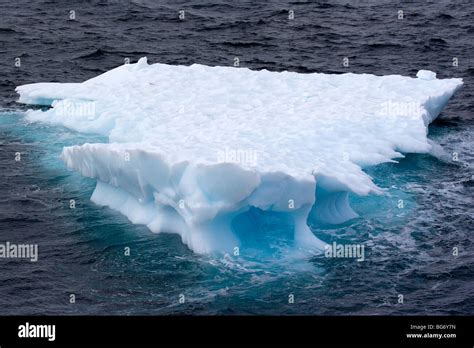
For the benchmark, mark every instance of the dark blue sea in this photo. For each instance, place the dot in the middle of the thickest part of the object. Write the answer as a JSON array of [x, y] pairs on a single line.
[[409, 250]]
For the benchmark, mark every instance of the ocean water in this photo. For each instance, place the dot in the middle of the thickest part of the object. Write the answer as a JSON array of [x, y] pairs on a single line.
[[408, 250]]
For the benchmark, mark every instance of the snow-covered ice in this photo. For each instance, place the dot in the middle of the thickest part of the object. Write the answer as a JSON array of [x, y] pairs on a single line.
[[192, 147]]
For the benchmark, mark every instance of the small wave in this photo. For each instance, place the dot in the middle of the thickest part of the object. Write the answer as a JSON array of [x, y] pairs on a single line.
[[97, 53], [7, 31], [437, 41], [246, 44], [379, 45], [445, 16]]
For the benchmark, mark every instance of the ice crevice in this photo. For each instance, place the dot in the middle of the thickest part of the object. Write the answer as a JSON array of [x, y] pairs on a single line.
[[193, 147]]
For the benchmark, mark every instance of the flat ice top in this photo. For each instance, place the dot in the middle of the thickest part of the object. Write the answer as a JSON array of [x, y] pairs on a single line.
[[306, 127]]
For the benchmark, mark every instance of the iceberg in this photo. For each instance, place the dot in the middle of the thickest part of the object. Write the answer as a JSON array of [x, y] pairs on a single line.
[[193, 147]]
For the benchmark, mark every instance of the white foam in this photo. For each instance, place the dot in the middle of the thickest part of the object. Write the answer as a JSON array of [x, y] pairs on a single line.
[[192, 147]]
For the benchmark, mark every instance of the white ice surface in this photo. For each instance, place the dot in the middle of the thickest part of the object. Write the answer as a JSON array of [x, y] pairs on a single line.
[[190, 147]]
